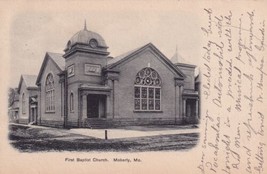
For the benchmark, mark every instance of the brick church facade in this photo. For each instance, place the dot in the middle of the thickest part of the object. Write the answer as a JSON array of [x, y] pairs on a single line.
[[84, 87]]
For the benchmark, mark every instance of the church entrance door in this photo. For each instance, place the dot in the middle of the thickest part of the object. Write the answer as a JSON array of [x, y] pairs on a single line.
[[92, 106], [96, 106], [32, 115]]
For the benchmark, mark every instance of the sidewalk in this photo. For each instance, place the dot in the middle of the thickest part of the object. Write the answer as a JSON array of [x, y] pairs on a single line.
[[118, 133], [126, 133]]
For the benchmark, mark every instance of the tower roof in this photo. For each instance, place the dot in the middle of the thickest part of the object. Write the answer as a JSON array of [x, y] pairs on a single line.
[[84, 37]]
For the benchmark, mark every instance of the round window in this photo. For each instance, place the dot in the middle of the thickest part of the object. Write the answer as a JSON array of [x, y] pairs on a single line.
[[93, 43]]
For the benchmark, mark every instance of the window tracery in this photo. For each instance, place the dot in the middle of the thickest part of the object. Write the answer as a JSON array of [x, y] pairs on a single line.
[[147, 90], [49, 93]]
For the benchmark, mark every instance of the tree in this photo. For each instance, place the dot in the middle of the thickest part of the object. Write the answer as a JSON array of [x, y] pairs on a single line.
[[11, 96]]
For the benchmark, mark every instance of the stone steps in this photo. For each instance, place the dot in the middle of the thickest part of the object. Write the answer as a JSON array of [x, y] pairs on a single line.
[[97, 123]]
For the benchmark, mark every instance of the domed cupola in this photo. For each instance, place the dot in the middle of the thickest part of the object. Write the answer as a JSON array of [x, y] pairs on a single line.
[[86, 41]]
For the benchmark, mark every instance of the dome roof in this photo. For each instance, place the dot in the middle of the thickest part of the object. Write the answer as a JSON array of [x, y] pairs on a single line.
[[84, 37]]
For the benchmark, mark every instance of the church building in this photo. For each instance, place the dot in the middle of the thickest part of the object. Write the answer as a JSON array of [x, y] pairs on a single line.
[[27, 91], [84, 87]]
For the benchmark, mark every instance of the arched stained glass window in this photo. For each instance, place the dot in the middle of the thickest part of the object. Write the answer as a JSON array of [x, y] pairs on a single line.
[[49, 93], [147, 90]]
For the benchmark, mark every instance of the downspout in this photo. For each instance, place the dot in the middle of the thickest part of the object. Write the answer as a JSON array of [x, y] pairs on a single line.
[[113, 98], [29, 109], [79, 109], [39, 103], [175, 98], [66, 100]]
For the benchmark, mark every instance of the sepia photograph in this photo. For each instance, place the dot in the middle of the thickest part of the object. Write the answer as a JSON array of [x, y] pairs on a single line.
[[133, 87], [83, 99]]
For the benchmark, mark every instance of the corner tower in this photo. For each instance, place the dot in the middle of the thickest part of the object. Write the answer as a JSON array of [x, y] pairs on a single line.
[[85, 56]]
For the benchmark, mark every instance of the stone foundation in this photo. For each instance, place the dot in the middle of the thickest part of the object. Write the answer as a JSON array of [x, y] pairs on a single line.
[[191, 120], [23, 121], [122, 122], [101, 123], [52, 123]]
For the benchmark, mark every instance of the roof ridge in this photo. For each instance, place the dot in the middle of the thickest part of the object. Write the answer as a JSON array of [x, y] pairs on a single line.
[[125, 54], [29, 80], [114, 62]]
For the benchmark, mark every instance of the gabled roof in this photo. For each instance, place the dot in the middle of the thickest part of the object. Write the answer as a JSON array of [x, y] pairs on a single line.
[[116, 59], [56, 58], [122, 58], [29, 81]]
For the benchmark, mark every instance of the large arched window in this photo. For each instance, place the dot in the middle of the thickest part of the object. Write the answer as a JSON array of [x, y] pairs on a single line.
[[71, 102], [23, 104], [147, 90], [49, 93]]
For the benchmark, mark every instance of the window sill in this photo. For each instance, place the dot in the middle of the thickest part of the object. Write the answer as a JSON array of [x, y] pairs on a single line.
[[138, 111], [50, 112]]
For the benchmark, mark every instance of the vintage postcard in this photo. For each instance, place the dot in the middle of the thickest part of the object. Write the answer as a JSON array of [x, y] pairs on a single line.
[[133, 87]]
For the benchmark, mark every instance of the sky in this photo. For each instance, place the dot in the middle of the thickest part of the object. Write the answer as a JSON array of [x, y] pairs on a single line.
[[33, 33]]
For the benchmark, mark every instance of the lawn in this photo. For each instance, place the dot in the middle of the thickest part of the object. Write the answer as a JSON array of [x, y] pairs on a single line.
[[34, 139]]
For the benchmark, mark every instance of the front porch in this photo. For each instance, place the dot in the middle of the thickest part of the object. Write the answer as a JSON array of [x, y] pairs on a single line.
[[191, 106], [94, 105], [33, 109]]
